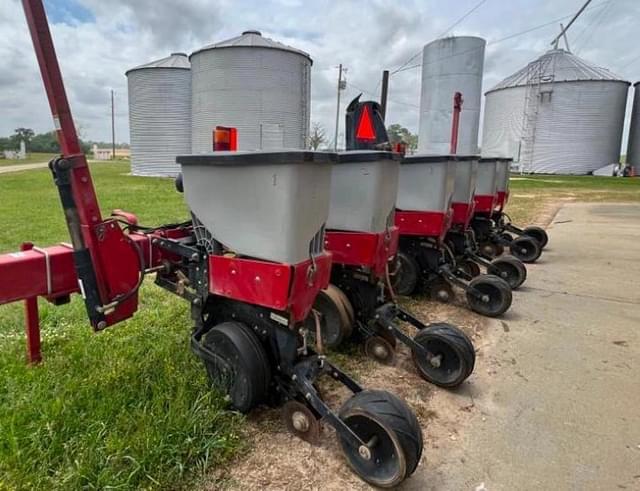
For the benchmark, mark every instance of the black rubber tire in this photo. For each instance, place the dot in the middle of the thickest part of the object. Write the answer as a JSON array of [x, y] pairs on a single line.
[[407, 273], [537, 233], [525, 248], [469, 267], [380, 413], [235, 343], [510, 269], [499, 293], [333, 319], [455, 348]]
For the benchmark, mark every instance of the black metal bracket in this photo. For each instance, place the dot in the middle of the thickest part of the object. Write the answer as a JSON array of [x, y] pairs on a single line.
[[305, 373], [87, 280], [385, 317], [177, 247]]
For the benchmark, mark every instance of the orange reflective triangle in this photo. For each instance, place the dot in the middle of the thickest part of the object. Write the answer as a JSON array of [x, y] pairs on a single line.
[[365, 129]]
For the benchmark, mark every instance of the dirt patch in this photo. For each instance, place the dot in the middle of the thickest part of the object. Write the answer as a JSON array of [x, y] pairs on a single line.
[[279, 461]]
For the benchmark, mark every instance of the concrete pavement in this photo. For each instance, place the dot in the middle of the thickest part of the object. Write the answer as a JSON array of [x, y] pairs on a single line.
[[20, 167], [556, 395]]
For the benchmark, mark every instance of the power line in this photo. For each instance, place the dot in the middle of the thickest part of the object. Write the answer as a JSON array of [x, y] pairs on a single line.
[[461, 19], [510, 36], [596, 25], [350, 85], [476, 7]]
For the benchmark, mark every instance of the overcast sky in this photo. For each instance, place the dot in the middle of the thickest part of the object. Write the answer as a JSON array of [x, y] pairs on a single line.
[[98, 40]]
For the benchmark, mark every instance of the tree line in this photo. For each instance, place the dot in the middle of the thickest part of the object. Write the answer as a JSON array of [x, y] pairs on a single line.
[[45, 142], [318, 138]]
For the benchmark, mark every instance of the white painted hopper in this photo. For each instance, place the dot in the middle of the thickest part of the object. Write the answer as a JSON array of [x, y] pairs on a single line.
[[465, 181], [450, 65], [426, 183], [364, 186], [159, 115], [267, 205], [255, 84], [487, 179]]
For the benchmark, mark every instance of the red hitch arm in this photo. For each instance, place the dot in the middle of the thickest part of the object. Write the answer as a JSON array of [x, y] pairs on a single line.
[[96, 243]]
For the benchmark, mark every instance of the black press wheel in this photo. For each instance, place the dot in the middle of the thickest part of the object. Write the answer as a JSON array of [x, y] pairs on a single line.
[[333, 318], [450, 355], [241, 367], [405, 274], [525, 248], [489, 295], [510, 269], [392, 435], [537, 233]]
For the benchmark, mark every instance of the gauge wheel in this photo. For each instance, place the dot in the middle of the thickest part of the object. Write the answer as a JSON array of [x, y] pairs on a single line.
[[404, 279], [240, 368]]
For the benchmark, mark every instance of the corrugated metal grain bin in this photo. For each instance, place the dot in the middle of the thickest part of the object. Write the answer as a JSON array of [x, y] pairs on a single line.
[[633, 145], [450, 65], [267, 205], [255, 84], [426, 183], [559, 114], [159, 115], [364, 186]]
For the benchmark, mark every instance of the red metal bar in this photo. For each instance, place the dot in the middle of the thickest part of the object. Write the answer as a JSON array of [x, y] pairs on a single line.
[[32, 322], [424, 223], [484, 203], [289, 288], [457, 108], [371, 250]]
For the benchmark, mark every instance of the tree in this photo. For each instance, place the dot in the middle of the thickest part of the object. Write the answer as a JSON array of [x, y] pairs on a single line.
[[317, 137], [21, 134], [398, 133]]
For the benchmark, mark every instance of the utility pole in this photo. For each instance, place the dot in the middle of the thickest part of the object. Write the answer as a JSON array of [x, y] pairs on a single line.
[[383, 93], [113, 128], [341, 86], [562, 33]]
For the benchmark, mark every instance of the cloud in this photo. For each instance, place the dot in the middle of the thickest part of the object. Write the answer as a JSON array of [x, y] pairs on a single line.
[[98, 41]]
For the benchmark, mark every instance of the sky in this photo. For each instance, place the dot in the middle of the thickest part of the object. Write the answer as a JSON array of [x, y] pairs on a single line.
[[98, 40]]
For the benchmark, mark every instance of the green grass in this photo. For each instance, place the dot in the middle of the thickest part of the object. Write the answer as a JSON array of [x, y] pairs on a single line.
[[124, 409], [531, 195], [31, 158]]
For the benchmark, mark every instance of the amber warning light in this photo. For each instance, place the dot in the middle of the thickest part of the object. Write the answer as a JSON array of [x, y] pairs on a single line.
[[225, 138]]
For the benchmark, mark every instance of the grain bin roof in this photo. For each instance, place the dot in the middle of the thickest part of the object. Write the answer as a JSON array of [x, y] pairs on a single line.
[[252, 39], [174, 60], [559, 65]]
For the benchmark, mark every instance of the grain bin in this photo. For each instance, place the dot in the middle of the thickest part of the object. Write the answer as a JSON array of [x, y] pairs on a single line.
[[633, 146], [559, 114], [159, 115], [450, 65], [255, 84]]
